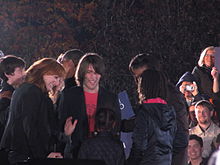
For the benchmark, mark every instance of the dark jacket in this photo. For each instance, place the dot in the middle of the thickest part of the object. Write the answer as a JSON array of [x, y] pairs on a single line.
[[72, 103], [177, 100], [205, 85], [205, 81], [70, 82], [5, 99], [28, 134], [153, 135], [103, 147]]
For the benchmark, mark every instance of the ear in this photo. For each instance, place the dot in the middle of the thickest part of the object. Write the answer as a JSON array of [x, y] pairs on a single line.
[[211, 113], [9, 75]]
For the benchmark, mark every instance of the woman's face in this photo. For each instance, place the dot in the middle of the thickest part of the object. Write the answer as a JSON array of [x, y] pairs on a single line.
[[209, 59], [52, 82]]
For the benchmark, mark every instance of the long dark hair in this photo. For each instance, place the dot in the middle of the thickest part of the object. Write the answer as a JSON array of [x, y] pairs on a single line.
[[152, 84]]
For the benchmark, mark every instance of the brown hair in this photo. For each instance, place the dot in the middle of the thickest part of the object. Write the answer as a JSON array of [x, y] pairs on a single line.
[[89, 59], [45, 66]]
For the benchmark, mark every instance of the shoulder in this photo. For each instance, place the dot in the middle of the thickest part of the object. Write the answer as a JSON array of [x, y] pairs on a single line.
[[105, 92], [194, 130], [73, 90]]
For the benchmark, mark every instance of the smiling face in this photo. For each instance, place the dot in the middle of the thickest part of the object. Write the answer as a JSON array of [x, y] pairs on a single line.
[[194, 150], [52, 81], [203, 114], [17, 77], [209, 59], [91, 80]]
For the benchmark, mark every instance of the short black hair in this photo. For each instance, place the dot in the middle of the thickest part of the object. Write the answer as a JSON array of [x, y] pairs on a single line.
[[8, 64], [105, 119], [144, 59], [197, 138], [72, 54]]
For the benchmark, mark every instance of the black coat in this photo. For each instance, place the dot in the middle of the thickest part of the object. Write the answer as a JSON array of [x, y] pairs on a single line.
[[28, 133], [103, 147], [153, 135], [204, 81], [72, 103], [5, 99]]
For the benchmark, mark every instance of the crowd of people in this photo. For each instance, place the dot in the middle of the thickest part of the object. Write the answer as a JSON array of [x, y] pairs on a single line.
[[57, 109]]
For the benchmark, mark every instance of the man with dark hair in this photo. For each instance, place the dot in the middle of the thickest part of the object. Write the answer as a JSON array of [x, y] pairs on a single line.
[[205, 128], [70, 60], [82, 101], [195, 148], [12, 72], [143, 62]]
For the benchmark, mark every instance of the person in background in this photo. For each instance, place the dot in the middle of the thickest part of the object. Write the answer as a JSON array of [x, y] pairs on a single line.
[[207, 77], [205, 128], [192, 116], [189, 89], [143, 62], [82, 102], [195, 148], [155, 122], [70, 60], [12, 72], [103, 146], [29, 130]]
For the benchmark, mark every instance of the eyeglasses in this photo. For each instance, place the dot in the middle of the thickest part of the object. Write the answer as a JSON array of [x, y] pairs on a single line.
[[210, 55]]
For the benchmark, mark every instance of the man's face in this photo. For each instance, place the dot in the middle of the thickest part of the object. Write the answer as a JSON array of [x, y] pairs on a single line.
[[209, 59], [91, 80], [187, 94], [137, 72], [69, 67], [194, 150], [203, 114], [17, 78], [192, 114]]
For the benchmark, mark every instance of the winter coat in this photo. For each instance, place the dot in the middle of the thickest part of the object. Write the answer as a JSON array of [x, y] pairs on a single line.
[[5, 99], [103, 147], [72, 103], [153, 135], [28, 134]]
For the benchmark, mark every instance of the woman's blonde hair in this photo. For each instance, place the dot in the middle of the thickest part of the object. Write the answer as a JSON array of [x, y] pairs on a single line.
[[202, 55], [45, 66]]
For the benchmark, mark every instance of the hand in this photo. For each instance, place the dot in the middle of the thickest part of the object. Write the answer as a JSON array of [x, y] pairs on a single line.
[[215, 73], [55, 155], [195, 91], [70, 126], [54, 92], [182, 88]]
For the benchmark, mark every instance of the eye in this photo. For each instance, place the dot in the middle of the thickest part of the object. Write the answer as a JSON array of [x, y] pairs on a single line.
[[56, 77]]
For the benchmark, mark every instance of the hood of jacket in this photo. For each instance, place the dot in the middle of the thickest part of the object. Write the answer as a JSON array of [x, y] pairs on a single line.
[[186, 77]]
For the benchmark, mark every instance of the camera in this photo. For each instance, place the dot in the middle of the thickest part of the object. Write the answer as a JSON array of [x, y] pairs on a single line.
[[189, 88]]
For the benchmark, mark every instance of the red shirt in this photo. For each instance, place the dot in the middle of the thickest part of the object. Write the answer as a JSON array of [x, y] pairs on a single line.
[[91, 104]]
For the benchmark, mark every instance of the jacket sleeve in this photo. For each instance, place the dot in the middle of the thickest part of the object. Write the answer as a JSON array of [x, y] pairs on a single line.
[[196, 74], [140, 136]]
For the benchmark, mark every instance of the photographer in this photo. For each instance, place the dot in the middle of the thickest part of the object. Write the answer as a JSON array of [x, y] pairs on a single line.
[[189, 89]]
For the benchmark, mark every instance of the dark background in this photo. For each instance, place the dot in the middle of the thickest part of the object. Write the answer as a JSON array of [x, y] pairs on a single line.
[[175, 31]]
